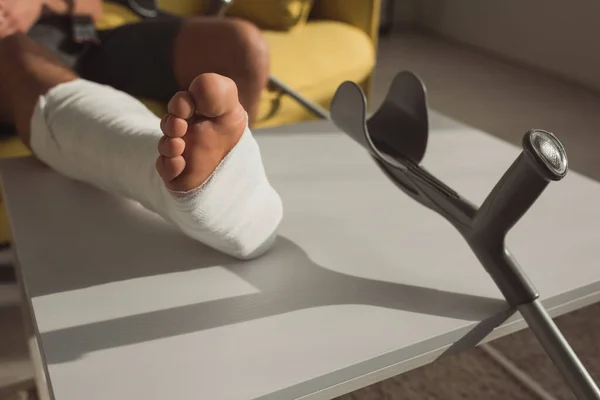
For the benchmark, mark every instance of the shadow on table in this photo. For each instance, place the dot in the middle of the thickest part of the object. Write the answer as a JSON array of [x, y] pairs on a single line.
[[288, 281], [141, 245]]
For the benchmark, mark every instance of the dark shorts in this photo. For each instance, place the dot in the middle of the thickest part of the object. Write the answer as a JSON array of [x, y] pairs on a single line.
[[135, 58]]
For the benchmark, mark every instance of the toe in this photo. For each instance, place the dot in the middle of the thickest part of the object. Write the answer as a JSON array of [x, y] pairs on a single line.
[[170, 168], [171, 146], [173, 126], [182, 105], [214, 95]]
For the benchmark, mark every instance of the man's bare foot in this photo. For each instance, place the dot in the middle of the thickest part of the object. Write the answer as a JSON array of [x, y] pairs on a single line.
[[202, 126]]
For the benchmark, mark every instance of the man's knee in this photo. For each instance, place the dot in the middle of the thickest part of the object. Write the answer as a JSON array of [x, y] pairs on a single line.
[[230, 47], [249, 50], [235, 46], [252, 49]]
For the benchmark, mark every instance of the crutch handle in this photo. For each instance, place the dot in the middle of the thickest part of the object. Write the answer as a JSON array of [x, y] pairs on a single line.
[[547, 154], [543, 160]]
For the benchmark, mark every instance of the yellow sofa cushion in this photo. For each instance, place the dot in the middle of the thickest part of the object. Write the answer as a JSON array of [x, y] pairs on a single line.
[[280, 15], [12, 147], [267, 14], [314, 61], [114, 16], [9, 147]]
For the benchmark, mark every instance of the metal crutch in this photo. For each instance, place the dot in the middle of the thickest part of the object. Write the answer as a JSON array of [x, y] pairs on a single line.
[[396, 138]]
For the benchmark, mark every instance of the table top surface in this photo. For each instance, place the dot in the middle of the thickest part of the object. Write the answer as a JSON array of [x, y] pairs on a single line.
[[363, 282]]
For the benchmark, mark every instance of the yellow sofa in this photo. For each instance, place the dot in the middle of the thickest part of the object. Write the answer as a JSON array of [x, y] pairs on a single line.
[[337, 43]]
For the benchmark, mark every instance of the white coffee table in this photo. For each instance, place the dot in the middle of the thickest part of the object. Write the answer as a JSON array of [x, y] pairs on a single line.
[[363, 283]]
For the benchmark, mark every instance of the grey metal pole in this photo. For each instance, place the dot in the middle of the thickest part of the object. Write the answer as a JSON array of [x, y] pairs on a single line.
[[309, 105], [559, 351]]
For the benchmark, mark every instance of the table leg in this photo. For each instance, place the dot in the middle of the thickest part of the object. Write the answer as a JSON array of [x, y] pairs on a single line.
[[41, 383]]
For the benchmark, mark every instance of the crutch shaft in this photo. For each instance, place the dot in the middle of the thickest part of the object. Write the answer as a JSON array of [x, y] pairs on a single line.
[[559, 351]]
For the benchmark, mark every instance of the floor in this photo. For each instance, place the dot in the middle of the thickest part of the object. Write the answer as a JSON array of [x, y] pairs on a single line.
[[495, 97]]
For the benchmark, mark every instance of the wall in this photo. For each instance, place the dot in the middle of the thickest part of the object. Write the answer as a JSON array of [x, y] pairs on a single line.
[[405, 12], [556, 35]]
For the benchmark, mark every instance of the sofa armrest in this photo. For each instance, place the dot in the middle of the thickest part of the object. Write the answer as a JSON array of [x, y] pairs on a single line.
[[363, 14]]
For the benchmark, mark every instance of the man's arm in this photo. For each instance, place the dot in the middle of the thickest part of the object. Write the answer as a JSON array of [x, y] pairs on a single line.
[[19, 15]]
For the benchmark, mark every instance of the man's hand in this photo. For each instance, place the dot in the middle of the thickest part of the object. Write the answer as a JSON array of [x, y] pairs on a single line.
[[19, 15]]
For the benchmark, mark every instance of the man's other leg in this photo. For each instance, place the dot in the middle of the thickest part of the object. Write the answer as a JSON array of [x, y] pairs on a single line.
[[238, 50], [155, 58]]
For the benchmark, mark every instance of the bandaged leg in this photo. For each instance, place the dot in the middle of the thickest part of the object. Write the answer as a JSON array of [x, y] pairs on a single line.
[[98, 135]]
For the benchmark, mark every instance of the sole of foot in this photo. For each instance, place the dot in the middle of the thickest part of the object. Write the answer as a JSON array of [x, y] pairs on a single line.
[[202, 126]]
